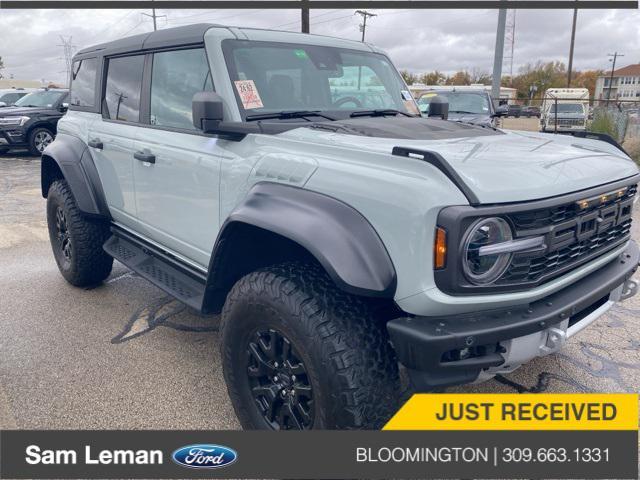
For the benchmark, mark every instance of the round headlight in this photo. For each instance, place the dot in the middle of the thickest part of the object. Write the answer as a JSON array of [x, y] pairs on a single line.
[[482, 268]]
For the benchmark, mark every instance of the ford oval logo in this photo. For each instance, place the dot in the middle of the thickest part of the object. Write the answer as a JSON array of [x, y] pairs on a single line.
[[204, 455]]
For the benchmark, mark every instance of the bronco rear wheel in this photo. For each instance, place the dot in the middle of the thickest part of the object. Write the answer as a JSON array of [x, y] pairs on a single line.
[[300, 354]]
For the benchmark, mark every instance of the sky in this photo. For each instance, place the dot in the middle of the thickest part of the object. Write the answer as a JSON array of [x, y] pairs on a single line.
[[416, 40]]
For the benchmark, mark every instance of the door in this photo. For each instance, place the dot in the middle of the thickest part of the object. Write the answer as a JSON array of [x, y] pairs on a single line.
[[176, 169], [111, 138]]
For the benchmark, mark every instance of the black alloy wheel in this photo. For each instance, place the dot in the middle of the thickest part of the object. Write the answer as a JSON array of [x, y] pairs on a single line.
[[279, 381], [62, 234]]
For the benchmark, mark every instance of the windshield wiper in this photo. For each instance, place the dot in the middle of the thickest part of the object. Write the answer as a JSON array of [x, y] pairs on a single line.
[[464, 111], [288, 114], [382, 112]]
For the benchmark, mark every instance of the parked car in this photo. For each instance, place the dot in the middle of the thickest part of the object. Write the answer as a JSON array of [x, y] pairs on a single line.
[[32, 122], [530, 111], [339, 243], [10, 96], [465, 105], [514, 111]]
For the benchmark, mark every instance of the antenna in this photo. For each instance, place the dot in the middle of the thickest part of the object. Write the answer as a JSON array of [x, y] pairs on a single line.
[[510, 40]]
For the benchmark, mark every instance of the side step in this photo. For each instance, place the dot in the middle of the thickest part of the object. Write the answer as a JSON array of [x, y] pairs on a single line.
[[159, 268]]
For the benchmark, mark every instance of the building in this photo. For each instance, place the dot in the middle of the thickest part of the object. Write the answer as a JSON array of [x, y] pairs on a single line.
[[507, 95], [17, 83], [624, 86]]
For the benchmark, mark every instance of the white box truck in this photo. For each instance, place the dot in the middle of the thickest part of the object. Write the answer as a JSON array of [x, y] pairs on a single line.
[[564, 110]]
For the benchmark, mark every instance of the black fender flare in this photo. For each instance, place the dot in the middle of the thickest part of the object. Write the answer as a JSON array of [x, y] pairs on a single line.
[[74, 160], [338, 236]]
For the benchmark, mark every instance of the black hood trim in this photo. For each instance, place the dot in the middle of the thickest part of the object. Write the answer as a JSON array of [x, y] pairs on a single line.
[[409, 128]]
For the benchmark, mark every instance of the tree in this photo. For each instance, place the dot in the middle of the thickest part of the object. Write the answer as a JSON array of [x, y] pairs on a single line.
[[409, 78], [433, 78], [479, 76], [587, 79], [459, 78]]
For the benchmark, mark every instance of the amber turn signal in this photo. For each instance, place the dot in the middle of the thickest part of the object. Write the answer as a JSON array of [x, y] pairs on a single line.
[[440, 249]]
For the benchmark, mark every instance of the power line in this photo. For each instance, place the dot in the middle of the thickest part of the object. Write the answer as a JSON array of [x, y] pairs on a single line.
[[365, 15]]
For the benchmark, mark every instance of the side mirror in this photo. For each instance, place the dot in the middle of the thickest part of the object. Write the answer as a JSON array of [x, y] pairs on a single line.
[[439, 107], [206, 108], [63, 107]]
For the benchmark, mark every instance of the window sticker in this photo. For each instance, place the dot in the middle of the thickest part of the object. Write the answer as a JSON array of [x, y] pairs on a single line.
[[300, 53], [248, 94], [406, 95]]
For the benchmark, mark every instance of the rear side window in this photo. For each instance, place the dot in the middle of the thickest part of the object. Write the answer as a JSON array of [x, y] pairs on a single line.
[[122, 92], [83, 82], [176, 77]]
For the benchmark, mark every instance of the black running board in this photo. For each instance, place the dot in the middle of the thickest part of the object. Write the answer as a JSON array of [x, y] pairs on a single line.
[[158, 267]]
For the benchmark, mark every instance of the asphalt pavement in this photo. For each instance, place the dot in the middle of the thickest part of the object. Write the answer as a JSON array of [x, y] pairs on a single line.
[[123, 355]]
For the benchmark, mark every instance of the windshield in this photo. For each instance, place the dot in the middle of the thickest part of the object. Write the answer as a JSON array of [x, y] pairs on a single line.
[[40, 99], [568, 108], [271, 77], [459, 102], [10, 98]]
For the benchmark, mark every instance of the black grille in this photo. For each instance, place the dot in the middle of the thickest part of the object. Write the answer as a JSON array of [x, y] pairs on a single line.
[[550, 216], [525, 268]]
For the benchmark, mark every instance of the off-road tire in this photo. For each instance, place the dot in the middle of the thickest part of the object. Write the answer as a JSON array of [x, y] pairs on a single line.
[[33, 148], [86, 263], [352, 368]]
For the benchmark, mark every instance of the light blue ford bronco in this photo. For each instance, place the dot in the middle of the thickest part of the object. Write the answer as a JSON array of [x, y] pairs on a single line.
[[287, 182]]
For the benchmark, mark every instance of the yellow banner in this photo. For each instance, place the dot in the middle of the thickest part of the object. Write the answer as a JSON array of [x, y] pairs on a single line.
[[549, 411]]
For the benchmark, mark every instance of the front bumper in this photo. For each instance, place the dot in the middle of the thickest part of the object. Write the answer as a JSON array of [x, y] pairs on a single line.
[[449, 350], [14, 136]]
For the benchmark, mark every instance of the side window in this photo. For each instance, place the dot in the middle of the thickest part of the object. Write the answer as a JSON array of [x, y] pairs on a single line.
[[83, 82], [122, 92], [175, 78]]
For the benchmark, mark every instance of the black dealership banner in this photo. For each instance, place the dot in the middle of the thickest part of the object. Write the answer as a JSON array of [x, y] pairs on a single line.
[[319, 454]]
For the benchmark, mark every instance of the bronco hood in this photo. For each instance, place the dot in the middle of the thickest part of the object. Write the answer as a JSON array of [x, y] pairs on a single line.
[[498, 166]]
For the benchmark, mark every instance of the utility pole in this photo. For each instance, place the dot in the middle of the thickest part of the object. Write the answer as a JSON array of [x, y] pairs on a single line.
[[365, 15], [154, 16], [497, 56], [615, 56], [573, 41], [68, 56], [305, 16]]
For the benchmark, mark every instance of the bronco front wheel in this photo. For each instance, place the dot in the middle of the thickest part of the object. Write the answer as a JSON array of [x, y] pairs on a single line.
[[76, 241], [300, 354]]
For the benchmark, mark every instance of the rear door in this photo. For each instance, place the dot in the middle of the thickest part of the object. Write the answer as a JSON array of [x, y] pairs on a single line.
[[112, 137], [177, 167]]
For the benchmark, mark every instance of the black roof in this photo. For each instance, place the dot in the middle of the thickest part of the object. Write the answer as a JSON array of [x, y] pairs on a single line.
[[170, 37]]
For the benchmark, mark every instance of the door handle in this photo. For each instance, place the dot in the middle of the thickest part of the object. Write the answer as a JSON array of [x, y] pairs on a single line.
[[96, 143], [145, 157]]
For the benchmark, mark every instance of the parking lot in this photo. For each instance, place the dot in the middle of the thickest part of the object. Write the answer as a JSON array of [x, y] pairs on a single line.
[[125, 356]]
